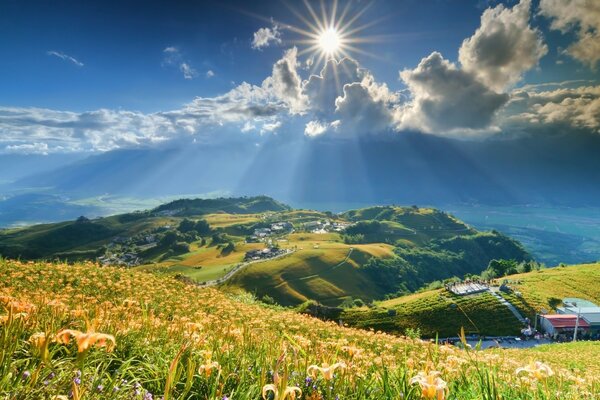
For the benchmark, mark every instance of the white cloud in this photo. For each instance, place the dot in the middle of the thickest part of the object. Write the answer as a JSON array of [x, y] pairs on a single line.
[[173, 57], [65, 57], [582, 16], [248, 127], [264, 37], [322, 90], [446, 98], [503, 47], [187, 70], [210, 73], [315, 128], [573, 107], [270, 127], [285, 82], [28, 148], [365, 108]]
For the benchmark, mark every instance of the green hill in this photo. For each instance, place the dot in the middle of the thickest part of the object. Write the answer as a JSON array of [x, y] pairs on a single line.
[[422, 245], [440, 312], [241, 205], [362, 255], [84, 239], [545, 289]]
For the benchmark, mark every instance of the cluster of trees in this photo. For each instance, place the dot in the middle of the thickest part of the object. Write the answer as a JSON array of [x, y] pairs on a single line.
[[500, 268], [200, 227]]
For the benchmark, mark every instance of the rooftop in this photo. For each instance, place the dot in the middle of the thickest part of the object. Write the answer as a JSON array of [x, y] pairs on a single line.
[[565, 321]]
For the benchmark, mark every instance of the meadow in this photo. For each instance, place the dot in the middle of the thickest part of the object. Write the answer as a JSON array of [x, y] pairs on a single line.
[[88, 332]]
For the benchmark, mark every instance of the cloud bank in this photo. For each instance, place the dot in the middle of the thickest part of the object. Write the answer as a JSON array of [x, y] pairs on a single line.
[[474, 96]]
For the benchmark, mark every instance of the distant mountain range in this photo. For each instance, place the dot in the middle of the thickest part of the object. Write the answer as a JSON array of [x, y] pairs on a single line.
[[405, 169]]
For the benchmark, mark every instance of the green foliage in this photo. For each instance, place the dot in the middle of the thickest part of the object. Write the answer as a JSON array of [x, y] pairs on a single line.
[[239, 205], [170, 238], [358, 238], [180, 247]]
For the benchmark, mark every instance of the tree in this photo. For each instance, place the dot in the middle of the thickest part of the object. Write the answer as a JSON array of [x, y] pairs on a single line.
[[202, 227], [502, 267], [180, 248], [229, 248], [169, 238], [186, 225]]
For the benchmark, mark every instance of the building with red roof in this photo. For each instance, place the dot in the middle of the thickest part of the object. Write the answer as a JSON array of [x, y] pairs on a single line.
[[557, 324]]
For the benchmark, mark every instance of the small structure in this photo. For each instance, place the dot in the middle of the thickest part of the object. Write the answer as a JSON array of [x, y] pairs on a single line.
[[563, 324], [467, 287], [262, 232], [587, 310]]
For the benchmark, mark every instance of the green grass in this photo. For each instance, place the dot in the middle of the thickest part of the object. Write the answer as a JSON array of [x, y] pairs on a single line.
[[538, 287], [437, 313], [321, 268], [430, 311]]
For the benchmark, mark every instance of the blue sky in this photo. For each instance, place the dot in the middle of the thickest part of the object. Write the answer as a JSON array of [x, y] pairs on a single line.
[[96, 76]]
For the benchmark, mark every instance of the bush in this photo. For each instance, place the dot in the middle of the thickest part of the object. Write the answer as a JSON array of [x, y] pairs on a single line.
[[180, 248]]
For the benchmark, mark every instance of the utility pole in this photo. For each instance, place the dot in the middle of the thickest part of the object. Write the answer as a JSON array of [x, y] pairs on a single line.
[[576, 324]]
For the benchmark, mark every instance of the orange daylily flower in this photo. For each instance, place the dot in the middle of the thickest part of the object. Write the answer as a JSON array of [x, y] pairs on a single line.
[[291, 392], [86, 340], [432, 386], [326, 370]]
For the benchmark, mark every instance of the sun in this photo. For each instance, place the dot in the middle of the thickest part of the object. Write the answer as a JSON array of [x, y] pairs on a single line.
[[331, 32], [330, 41]]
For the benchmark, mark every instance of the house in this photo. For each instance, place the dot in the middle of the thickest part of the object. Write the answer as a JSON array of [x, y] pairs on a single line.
[[263, 254], [563, 324], [262, 232], [312, 225], [587, 310], [280, 227]]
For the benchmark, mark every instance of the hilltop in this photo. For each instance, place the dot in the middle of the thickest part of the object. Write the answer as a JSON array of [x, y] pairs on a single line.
[[154, 336]]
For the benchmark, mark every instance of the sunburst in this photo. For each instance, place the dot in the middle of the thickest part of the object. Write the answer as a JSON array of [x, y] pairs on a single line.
[[331, 32]]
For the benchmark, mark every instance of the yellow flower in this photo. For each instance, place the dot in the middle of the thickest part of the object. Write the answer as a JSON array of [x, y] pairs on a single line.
[[325, 369], [40, 342], [292, 392], [86, 340], [536, 371], [432, 386], [207, 368]]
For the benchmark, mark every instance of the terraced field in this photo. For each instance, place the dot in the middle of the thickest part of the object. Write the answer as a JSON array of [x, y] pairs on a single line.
[[542, 289], [437, 312], [440, 312], [321, 268]]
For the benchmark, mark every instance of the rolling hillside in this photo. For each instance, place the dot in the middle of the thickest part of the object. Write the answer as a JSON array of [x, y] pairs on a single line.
[[545, 289], [320, 268], [155, 337], [361, 255], [83, 238], [440, 312], [386, 250]]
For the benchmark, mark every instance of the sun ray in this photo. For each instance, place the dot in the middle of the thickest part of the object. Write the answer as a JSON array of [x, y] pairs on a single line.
[[314, 15]]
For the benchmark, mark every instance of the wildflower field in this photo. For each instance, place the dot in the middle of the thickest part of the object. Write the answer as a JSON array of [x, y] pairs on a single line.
[[88, 332]]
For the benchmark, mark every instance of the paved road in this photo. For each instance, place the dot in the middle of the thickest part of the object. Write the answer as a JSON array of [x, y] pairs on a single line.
[[238, 268]]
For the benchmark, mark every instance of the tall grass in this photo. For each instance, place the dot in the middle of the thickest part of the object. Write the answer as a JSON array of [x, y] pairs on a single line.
[[174, 341]]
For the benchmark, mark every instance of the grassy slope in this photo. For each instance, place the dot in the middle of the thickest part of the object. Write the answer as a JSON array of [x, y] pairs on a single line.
[[320, 268], [153, 319], [437, 312], [538, 287], [431, 311]]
